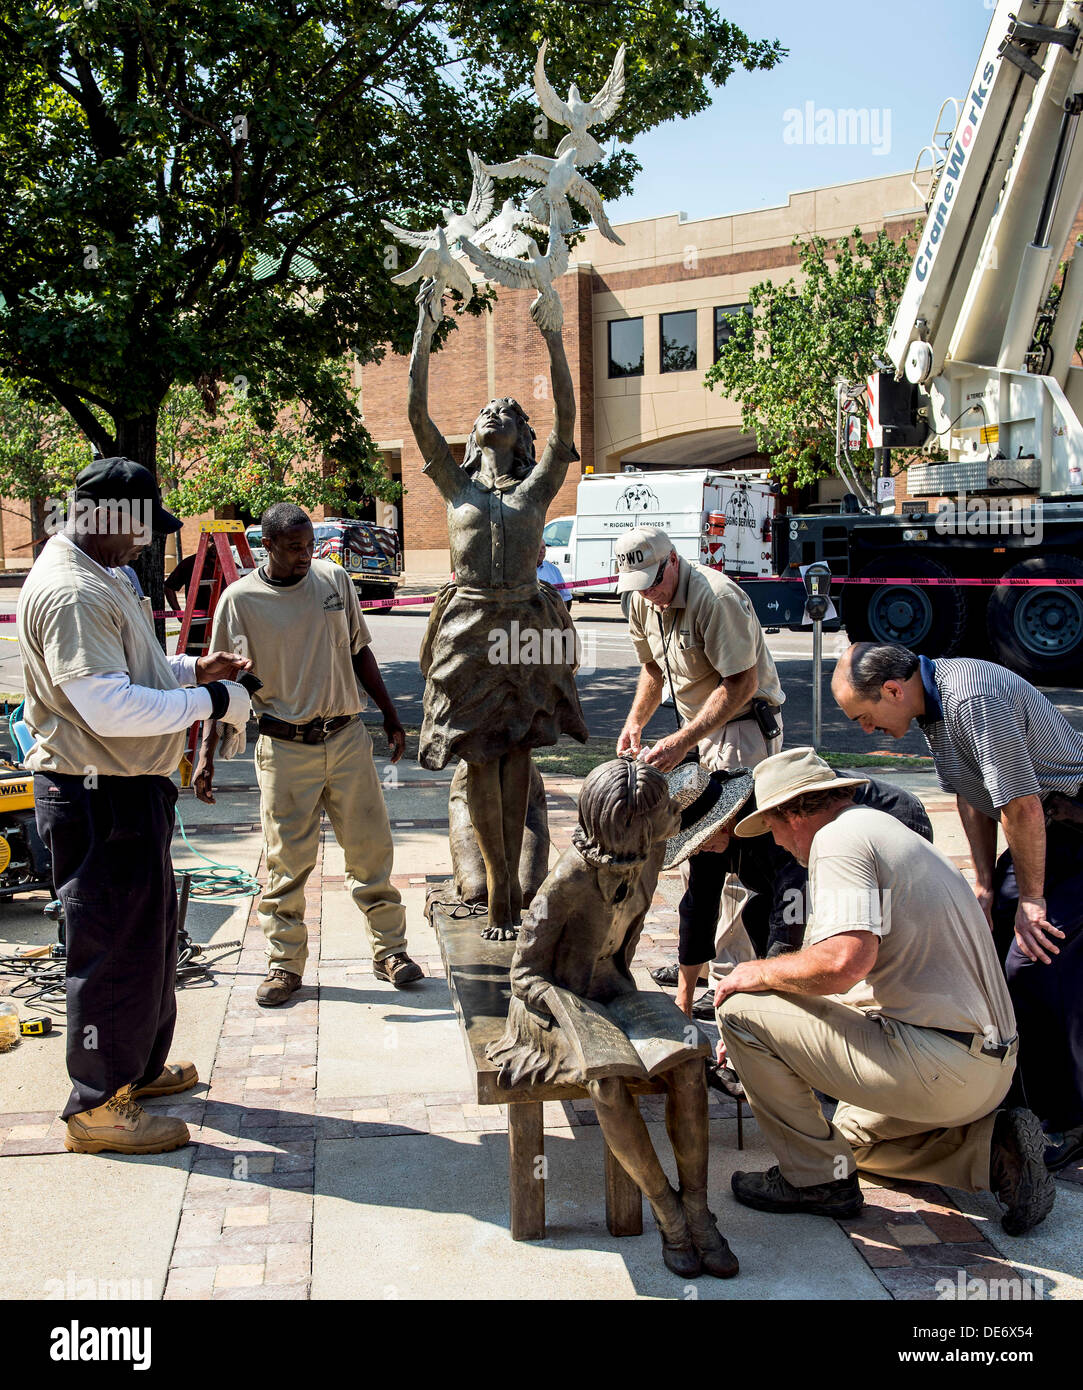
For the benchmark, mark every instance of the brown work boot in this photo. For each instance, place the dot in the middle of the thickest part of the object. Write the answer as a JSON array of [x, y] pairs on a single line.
[[398, 969], [678, 1252], [122, 1126], [770, 1191], [174, 1077], [714, 1252], [277, 987]]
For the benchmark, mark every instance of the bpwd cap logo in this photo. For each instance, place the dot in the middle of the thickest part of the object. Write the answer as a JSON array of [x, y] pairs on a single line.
[[631, 559], [990, 516]]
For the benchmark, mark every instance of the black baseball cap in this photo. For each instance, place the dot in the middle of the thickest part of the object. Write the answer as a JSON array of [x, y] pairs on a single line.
[[121, 479]]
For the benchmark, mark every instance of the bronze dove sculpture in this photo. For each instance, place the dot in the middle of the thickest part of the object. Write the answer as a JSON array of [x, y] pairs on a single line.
[[561, 181], [538, 271], [577, 114]]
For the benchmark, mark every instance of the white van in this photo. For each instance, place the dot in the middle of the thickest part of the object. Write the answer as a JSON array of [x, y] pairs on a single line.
[[713, 517], [559, 539]]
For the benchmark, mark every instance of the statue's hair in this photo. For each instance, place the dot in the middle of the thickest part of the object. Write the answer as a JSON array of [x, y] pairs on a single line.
[[523, 458], [283, 516], [618, 807]]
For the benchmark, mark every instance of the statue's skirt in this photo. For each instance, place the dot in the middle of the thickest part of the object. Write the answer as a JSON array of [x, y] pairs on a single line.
[[499, 668]]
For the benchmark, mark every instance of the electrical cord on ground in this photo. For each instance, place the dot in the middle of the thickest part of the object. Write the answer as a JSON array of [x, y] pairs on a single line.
[[41, 979], [221, 882]]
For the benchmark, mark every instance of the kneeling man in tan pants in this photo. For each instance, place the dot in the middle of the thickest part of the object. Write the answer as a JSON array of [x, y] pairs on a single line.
[[895, 1005], [300, 622]]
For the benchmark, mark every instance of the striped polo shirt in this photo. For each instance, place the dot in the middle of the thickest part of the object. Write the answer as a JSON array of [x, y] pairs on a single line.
[[994, 737]]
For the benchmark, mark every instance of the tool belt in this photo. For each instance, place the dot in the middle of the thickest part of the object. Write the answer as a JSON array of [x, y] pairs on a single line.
[[315, 731], [765, 715], [998, 1050]]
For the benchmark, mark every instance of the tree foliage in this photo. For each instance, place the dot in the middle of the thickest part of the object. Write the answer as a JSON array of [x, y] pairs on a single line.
[[783, 359], [193, 188]]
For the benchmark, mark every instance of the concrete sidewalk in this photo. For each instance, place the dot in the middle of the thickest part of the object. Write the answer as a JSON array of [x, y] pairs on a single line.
[[338, 1152]]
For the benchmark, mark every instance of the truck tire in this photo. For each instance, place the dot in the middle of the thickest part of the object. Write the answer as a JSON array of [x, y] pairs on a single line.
[[930, 620], [1038, 633]]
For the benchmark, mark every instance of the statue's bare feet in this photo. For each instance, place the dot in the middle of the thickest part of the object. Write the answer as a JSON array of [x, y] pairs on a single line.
[[492, 933]]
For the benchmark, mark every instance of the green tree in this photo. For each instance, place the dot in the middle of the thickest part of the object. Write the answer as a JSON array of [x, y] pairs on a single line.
[[193, 189], [783, 359], [235, 462], [41, 450]]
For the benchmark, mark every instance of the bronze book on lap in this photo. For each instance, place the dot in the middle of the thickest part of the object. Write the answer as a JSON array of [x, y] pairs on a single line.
[[637, 1035]]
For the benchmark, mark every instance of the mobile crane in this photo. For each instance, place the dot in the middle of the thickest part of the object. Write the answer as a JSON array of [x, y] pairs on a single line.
[[979, 368]]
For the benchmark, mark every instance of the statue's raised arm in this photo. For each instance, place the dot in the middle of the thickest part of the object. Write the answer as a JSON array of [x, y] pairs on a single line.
[[439, 465]]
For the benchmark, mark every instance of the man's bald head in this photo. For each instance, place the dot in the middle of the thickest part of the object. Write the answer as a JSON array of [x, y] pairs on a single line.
[[878, 685]]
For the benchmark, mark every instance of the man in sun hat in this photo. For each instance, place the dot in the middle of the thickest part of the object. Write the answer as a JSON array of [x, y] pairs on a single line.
[[895, 1004], [768, 883]]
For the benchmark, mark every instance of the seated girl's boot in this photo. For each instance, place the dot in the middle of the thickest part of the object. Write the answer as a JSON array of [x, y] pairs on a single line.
[[678, 1251], [711, 1245]]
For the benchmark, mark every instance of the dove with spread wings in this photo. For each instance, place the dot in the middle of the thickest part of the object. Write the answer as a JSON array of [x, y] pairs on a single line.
[[576, 113], [538, 272], [561, 181], [456, 224], [504, 234], [438, 270]]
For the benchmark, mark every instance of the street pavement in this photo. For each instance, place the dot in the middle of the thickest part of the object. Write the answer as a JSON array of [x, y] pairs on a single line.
[[338, 1152], [607, 678]]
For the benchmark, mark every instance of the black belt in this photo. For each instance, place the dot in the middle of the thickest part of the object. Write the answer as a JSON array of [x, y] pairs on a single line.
[[998, 1050], [315, 731]]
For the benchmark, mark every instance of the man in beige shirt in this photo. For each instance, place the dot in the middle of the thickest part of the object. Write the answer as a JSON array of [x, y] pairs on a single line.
[[895, 1005], [108, 711], [300, 622], [695, 628]]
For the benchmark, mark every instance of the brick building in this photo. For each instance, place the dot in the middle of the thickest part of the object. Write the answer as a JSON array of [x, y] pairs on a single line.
[[642, 323]]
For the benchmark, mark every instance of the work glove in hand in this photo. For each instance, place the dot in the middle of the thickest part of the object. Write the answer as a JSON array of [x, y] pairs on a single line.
[[231, 740], [239, 709]]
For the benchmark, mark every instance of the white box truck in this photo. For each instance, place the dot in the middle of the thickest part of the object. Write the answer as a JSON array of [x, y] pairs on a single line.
[[713, 517]]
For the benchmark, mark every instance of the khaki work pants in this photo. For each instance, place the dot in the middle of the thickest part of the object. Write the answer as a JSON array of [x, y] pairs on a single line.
[[913, 1103], [297, 781]]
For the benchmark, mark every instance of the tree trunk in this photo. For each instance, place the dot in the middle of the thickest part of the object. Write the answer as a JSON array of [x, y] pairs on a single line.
[[37, 526], [137, 440]]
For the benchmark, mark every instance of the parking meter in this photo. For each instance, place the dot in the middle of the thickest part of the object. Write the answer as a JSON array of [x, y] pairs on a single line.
[[817, 590], [817, 599]]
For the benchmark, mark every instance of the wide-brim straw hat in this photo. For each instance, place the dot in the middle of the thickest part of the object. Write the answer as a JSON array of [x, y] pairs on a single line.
[[706, 800], [786, 776]]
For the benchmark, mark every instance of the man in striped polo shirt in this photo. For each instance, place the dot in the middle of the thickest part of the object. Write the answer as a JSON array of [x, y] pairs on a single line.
[[1011, 759]]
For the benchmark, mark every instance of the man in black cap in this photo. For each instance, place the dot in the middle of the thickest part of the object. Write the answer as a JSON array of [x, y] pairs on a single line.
[[108, 711]]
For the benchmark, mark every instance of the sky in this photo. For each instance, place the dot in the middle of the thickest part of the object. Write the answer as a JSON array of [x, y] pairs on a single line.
[[895, 60]]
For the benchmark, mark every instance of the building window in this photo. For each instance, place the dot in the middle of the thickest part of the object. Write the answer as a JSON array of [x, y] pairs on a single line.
[[626, 347], [679, 341], [723, 328]]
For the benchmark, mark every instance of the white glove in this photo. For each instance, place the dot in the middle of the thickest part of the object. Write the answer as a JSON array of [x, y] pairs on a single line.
[[231, 741], [239, 709]]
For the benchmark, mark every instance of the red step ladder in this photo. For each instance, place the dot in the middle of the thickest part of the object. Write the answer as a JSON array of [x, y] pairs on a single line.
[[202, 597]]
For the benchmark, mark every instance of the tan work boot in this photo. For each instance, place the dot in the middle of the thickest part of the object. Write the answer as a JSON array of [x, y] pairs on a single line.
[[174, 1077], [122, 1126], [277, 987]]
